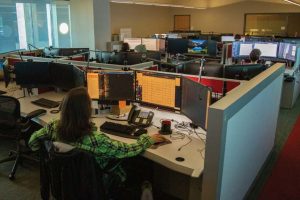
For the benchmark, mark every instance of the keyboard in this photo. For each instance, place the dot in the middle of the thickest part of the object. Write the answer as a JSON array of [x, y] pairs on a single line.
[[45, 103], [121, 130]]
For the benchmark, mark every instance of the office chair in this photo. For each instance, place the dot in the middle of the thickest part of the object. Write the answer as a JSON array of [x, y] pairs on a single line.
[[15, 127], [73, 174]]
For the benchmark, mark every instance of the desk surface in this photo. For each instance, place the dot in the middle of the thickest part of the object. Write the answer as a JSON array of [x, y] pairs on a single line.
[[193, 152]]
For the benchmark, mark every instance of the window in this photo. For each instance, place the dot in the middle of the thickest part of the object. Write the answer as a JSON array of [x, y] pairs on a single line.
[[34, 22]]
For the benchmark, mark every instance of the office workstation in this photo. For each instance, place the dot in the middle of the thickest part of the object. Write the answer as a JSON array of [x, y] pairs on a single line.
[[196, 88]]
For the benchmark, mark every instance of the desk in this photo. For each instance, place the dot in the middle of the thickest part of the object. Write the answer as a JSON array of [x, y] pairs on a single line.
[[165, 155], [193, 153]]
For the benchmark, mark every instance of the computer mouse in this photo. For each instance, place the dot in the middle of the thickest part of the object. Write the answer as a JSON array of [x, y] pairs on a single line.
[[140, 131]]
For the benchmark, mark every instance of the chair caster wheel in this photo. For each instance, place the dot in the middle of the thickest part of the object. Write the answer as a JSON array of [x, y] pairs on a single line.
[[10, 153], [11, 177]]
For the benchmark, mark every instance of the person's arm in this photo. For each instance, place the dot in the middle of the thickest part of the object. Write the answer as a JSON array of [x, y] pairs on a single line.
[[34, 141], [104, 146]]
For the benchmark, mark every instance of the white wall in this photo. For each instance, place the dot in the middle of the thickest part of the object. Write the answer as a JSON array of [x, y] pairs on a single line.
[[82, 23]]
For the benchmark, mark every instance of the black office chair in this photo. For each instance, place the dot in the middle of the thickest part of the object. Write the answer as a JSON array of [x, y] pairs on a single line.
[[74, 174], [17, 128]]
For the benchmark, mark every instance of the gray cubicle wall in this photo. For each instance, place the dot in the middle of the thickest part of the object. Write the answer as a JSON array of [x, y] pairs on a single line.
[[240, 136]]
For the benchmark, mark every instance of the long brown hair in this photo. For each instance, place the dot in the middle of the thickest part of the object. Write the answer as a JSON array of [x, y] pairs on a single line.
[[75, 115]]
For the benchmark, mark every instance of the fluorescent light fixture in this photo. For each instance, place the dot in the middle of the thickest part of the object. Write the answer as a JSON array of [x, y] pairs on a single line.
[[156, 4], [292, 2]]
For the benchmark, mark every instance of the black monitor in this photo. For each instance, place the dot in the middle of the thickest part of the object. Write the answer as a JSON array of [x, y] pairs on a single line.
[[44, 74], [66, 76], [112, 86], [243, 72], [33, 74], [118, 58], [195, 101], [177, 46], [212, 48], [134, 58]]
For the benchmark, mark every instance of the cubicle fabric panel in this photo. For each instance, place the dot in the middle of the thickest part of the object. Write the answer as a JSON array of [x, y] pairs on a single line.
[[240, 135]]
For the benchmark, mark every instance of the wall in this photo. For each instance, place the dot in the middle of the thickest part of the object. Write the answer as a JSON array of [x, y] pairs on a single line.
[[229, 19], [143, 20], [82, 24]]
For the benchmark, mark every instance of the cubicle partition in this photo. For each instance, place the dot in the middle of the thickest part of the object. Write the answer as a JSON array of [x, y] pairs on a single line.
[[240, 135]]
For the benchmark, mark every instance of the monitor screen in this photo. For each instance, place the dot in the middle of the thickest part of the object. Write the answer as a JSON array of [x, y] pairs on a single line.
[[197, 46], [196, 99], [158, 89], [177, 46], [111, 85], [227, 38], [66, 76], [151, 44], [243, 72], [241, 49], [133, 42], [267, 49], [33, 74], [287, 51]]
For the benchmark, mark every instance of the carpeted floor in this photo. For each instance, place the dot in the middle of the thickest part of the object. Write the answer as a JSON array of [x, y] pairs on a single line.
[[26, 185], [284, 181]]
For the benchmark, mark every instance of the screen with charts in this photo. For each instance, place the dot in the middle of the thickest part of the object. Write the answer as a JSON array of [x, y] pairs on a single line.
[[111, 85], [287, 51], [158, 89], [133, 42], [267, 49]]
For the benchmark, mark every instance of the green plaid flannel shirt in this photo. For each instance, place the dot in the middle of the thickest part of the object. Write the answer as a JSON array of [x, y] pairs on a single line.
[[98, 144]]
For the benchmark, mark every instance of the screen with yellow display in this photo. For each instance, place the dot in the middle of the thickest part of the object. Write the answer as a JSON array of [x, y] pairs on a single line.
[[158, 89]]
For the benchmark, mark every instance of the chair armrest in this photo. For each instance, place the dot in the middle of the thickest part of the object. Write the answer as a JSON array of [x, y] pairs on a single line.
[[35, 113]]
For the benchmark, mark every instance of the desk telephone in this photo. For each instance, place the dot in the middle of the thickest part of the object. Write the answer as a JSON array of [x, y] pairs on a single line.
[[140, 118]]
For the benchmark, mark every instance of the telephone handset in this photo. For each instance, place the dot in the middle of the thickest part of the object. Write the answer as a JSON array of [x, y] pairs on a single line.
[[140, 118]]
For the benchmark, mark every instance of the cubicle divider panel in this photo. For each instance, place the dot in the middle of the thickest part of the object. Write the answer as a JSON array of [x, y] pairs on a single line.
[[240, 135], [217, 85]]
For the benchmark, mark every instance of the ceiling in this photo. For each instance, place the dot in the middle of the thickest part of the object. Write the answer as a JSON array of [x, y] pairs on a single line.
[[197, 3]]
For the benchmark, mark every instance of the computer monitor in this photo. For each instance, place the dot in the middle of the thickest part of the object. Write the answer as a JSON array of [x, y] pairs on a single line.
[[110, 86], [177, 46], [44, 74], [118, 58], [134, 58], [151, 44], [268, 49], [287, 51], [195, 101], [51, 52], [133, 42], [227, 38], [197, 46], [241, 49], [158, 89], [66, 76], [33, 74], [243, 72], [105, 57]]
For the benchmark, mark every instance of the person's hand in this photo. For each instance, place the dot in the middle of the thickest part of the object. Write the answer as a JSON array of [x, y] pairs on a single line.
[[158, 138]]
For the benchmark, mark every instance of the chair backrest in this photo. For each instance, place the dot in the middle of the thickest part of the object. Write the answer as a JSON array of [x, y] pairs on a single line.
[[9, 112], [71, 175]]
